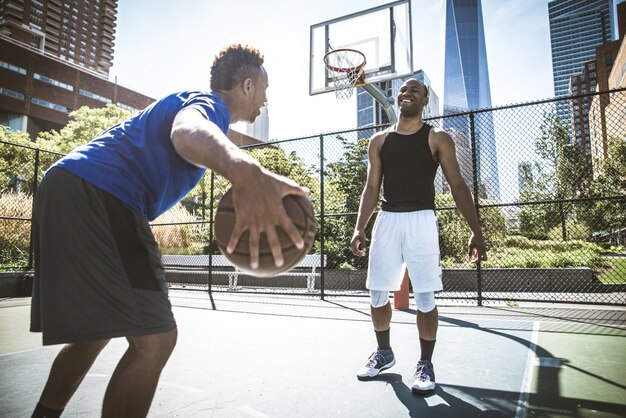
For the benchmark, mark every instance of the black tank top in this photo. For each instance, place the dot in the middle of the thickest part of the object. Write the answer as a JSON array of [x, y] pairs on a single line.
[[408, 172]]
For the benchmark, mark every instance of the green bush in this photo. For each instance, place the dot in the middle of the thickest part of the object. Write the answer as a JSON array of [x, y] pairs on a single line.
[[454, 232], [15, 233], [573, 230]]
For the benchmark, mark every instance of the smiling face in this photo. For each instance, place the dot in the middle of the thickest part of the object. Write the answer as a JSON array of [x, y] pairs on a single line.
[[412, 97]]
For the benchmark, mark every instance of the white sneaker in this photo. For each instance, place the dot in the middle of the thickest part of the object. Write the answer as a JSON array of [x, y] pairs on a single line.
[[424, 383], [375, 364]]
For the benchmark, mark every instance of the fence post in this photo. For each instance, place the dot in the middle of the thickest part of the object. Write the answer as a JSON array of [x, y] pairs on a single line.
[[32, 211], [212, 191], [479, 278], [563, 225], [321, 232]]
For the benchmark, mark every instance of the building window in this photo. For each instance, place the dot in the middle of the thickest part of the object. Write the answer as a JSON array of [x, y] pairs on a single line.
[[12, 67], [11, 93], [49, 105], [94, 96], [125, 106], [53, 82]]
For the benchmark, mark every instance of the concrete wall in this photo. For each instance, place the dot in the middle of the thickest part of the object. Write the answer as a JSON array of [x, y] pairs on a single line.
[[566, 280]]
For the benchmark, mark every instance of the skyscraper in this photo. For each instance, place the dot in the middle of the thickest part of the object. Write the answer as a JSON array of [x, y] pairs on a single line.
[[577, 27], [260, 128], [466, 87], [80, 32]]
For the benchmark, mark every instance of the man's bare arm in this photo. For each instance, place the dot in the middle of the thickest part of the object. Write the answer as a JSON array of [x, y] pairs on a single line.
[[257, 193], [370, 194]]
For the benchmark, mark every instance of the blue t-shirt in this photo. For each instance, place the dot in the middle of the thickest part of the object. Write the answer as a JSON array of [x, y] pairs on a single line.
[[135, 160]]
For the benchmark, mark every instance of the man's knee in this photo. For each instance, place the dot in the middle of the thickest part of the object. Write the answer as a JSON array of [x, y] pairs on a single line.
[[379, 298], [161, 344], [425, 302]]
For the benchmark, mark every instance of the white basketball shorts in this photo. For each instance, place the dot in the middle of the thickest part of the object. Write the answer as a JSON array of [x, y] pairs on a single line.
[[402, 239]]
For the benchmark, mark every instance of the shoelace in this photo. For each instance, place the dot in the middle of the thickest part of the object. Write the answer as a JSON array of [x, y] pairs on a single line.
[[375, 358], [423, 372]]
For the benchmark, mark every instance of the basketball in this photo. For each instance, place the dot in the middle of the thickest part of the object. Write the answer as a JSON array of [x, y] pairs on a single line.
[[300, 211]]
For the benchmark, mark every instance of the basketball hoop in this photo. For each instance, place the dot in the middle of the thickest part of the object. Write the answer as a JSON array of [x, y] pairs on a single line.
[[345, 67]]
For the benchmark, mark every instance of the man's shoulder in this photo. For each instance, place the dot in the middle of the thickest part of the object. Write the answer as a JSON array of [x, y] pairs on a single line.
[[378, 139], [435, 130], [439, 134]]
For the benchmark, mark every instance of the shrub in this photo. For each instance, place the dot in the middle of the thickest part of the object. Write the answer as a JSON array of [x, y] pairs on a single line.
[[177, 233], [573, 230]]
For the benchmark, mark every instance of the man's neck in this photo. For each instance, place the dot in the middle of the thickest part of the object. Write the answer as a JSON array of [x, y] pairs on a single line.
[[409, 125], [226, 96]]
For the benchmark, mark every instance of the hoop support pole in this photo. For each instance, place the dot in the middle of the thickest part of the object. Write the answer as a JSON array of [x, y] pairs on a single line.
[[385, 101]]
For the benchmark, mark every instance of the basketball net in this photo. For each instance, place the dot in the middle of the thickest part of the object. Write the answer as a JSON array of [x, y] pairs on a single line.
[[345, 68]]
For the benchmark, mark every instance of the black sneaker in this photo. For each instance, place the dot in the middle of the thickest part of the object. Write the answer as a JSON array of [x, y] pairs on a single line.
[[376, 364], [424, 383]]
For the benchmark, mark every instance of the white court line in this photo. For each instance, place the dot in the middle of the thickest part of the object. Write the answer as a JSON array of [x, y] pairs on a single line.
[[252, 412], [527, 382], [46, 347]]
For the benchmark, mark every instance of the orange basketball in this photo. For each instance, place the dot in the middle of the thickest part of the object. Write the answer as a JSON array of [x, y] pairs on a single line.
[[300, 211]]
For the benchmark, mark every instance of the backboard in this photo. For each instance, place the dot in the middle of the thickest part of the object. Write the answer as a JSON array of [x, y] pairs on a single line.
[[382, 33]]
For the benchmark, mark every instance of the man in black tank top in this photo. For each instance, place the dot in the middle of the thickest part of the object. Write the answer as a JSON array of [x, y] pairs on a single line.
[[403, 160]]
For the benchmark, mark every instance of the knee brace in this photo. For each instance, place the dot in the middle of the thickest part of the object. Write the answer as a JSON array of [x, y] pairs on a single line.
[[425, 301], [379, 298]]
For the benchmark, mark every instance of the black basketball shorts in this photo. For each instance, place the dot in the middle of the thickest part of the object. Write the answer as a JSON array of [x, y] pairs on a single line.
[[98, 271]]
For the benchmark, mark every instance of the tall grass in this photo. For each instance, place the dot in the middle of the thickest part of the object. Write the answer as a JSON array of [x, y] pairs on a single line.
[[177, 233]]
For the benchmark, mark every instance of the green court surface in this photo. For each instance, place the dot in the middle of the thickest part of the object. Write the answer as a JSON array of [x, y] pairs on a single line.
[[579, 370]]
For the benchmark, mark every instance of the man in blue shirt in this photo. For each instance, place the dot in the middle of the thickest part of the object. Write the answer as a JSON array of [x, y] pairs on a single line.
[[98, 273]]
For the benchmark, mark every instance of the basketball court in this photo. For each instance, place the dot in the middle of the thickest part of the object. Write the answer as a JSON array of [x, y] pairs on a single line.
[[260, 356], [244, 355]]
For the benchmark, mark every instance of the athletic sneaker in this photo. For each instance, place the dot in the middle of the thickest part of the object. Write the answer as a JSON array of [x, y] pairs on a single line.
[[424, 378], [376, 364]]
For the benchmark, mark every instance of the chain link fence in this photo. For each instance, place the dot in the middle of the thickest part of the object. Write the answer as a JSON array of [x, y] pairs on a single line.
[[549, 188]]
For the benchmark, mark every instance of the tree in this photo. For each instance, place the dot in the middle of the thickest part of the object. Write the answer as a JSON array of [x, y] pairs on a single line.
[[563, 174], [84, 125], [453, 230], [16, 161], [346, 178], [608, 216]]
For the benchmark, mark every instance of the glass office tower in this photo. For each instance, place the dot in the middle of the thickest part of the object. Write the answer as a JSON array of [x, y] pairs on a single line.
[[577, 27], [466, 87]]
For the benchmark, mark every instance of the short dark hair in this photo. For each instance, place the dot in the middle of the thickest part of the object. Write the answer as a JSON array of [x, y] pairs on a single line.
[[234, 64]]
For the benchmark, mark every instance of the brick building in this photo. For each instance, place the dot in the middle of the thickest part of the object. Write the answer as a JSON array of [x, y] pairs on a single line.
[[55, 57]]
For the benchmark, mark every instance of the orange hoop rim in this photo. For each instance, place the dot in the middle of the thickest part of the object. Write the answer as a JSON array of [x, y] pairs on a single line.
[[354, 68]]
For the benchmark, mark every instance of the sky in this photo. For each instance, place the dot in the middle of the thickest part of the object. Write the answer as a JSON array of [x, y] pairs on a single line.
[[163, 46]]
